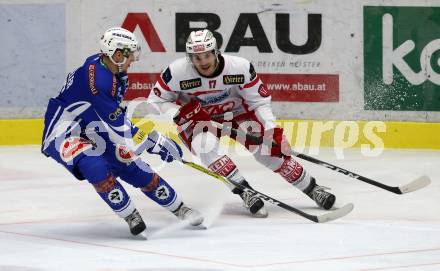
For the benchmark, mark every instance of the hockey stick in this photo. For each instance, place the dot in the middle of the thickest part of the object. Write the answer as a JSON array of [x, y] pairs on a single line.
[[413, 185], [409, 187], [326, 217]]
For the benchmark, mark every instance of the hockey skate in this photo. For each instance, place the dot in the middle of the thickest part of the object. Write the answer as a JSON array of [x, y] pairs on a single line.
[[323, 198], [253, 203], [185, 213], [135, 223]]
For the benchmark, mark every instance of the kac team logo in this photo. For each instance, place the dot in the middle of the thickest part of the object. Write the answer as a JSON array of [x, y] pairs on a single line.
[[162, 192], [116, 196], [402, 58]]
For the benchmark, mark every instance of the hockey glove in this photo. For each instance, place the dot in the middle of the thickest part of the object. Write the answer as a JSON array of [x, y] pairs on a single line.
[[191, 111], [280, 146], [167, 148]]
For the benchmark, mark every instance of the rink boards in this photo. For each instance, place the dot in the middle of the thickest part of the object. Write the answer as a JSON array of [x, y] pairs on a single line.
[[369, 135]]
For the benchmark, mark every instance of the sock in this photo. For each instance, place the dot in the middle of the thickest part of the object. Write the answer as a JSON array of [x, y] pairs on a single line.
[[294, 173]]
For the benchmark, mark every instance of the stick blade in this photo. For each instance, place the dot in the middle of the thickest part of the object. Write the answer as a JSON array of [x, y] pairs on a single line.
[[338, 213], [416, 184]]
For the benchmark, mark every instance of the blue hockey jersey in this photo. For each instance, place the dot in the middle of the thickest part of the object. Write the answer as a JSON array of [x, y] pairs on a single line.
[[90, 101]]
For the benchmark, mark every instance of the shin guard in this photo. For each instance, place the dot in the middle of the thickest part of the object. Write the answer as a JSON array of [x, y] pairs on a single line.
[[162, 193], [114, 194]]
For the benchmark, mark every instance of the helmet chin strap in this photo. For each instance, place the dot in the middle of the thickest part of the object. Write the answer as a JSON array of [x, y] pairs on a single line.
[[120, 64], [217, 62]]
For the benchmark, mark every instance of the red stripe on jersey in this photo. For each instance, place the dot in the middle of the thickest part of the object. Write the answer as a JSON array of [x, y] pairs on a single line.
[[163, 85], [252, 83]]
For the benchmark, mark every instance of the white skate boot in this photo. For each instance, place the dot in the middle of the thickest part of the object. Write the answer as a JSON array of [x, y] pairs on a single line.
[[185, 213]]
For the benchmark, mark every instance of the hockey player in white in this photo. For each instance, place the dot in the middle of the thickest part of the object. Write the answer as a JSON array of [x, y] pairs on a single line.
[[210, 86]]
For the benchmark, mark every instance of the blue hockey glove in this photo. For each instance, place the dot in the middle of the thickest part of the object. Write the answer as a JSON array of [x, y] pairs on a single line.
[[167, 148]]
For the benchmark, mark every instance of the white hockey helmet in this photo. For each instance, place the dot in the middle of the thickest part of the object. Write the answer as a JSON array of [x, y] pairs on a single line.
[[201, 41], [118, 38]]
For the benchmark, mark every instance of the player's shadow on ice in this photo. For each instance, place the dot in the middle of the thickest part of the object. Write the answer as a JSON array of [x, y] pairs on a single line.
[[20, 268], [237, 209], [98, 230], [173, 269], [118, 230]]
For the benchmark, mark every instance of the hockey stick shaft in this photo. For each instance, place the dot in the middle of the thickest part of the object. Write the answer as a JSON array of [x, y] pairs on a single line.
[[318, 219], [349, 173], [414, 185]]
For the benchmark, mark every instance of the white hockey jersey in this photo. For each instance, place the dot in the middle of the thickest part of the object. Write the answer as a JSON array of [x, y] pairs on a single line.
[[234, 91]]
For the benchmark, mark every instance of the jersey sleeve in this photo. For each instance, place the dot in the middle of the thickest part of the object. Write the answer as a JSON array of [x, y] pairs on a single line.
[[163, 97], [256, 95]]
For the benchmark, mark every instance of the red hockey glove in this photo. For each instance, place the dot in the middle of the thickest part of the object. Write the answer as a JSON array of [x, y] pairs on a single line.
[[281, 146], [191, 111]]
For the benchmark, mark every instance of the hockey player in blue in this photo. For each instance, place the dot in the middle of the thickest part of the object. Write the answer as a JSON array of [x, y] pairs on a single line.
[[87, 131]]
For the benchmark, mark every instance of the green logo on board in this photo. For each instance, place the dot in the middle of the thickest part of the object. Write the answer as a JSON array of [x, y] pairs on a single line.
[[402, 58]]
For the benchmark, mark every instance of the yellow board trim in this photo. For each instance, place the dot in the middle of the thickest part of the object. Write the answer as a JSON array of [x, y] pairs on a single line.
[[21, 131], [307, 133]]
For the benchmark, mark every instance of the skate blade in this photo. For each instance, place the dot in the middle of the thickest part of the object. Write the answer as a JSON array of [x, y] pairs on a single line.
[[197, 222], [200, 227], [141, 236], [262, 213]]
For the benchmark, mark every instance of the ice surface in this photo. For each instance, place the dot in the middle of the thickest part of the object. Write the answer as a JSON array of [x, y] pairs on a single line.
[[50, 221]]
